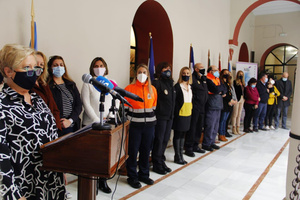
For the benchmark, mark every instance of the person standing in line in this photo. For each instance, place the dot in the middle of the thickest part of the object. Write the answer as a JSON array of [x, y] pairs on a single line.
[[142, 126], [284, 86], [182, 113], [261, 111], [42, 88], [228, 102], [251, 103], [200, 96], [239, 85], [164, 114], [90, 97], [272, 103], [65, 94], [26, 123], [214, 106]]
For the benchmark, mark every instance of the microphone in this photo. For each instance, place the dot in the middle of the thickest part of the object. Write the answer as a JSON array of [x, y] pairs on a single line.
[[103, 85], [125, 93]]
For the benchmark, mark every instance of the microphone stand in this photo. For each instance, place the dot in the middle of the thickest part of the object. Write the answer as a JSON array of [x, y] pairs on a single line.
[[101, 125], [114, 110]]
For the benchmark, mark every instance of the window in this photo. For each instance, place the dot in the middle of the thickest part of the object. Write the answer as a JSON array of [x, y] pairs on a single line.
[[133, 54], [280, 59]]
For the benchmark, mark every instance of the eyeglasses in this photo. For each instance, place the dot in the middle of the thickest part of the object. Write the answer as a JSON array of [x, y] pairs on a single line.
[[37, 70]]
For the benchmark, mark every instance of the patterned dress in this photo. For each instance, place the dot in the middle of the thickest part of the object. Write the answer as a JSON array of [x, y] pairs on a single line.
[[23, 129]]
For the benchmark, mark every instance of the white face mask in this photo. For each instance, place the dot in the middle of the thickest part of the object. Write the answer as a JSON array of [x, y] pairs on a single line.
[[142, 78], [272, 82], [99, 71]]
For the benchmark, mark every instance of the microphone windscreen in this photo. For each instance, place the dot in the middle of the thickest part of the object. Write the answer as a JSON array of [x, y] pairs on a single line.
[[114, 83], [105, 82], [86, 78]]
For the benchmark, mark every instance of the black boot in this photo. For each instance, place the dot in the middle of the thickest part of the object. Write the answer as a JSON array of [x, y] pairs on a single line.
[[102, 185], [181, 150], [177, 157]]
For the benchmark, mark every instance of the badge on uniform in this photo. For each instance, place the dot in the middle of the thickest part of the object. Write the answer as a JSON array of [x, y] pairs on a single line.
[[149, 96], [199, 82], [166, 92]]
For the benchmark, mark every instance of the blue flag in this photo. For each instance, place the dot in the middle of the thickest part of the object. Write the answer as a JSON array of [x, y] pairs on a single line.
[[191, 63], [35, 38], [229, 65], [151, 65]]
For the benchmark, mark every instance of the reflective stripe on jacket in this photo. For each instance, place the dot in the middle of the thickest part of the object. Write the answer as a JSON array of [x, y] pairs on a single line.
[[141, 112]]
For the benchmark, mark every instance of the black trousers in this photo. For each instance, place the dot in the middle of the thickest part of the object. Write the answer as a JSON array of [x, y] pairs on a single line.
[[249, 114], [140, 141], [270, 114], [192, 137], [161, 139]]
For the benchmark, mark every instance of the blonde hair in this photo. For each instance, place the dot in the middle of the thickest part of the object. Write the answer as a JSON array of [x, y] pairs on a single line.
[[238, 80], [12, 55], [180, 75], [44, 76], [148, 75]]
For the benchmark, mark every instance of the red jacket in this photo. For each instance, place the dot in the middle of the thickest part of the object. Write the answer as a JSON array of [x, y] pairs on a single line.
[[251, 95]]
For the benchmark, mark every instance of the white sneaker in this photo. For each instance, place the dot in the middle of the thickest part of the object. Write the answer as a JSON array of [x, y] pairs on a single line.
[[272, 127], [267, 127], [68, 195]]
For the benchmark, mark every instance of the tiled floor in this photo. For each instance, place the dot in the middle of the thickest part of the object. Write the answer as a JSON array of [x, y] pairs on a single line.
[[228, 173]]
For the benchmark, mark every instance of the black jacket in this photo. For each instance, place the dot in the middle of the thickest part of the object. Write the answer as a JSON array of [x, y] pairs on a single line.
[[285, 89], [263, 93], [227, 99], [77, 104], [200, 92], [239, 90], [165, 98], [180, 123]]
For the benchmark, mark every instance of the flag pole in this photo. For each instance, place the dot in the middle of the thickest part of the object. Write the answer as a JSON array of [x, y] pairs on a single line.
[[32, 25], [208, 59]]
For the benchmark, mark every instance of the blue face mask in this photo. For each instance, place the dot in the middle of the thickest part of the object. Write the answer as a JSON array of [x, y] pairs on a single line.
[[253, 86], [58, 71], [216, 74], [284, 79], [266, 80]]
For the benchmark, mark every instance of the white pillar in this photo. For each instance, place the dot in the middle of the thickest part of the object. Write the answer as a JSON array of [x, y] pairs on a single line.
[[293, 170]]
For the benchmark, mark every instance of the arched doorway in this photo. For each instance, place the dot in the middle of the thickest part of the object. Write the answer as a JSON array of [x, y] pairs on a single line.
[[234, 40], [152, 17], [244, 53]]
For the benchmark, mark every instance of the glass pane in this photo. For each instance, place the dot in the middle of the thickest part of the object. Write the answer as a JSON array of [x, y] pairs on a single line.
[[278, 69], [269, 69], [279, 53], [132, 55], [271, 60], [132, 38], [293, 61], [132, 71], [290, 52]]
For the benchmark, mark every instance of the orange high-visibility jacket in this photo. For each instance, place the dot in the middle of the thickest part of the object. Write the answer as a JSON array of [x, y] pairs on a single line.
[[141, 112]]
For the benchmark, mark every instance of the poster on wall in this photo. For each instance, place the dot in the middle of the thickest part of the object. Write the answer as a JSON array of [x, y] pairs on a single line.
[[249, 69]]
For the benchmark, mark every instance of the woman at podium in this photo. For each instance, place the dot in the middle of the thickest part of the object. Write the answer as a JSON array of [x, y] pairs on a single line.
[[26, 123], [142, 125], [90, 100]]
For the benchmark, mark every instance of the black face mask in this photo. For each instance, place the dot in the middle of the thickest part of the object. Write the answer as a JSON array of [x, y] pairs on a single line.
[[226, 76], [166, 74], [241, 77], [25, 81], [185, 78], [202, 71]]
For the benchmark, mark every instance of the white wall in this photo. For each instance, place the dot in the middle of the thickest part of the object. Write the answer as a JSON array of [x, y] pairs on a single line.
[[82, 30], [268, 28]]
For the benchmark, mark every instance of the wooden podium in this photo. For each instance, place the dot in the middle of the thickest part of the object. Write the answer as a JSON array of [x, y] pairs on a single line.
[[89, 154]]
